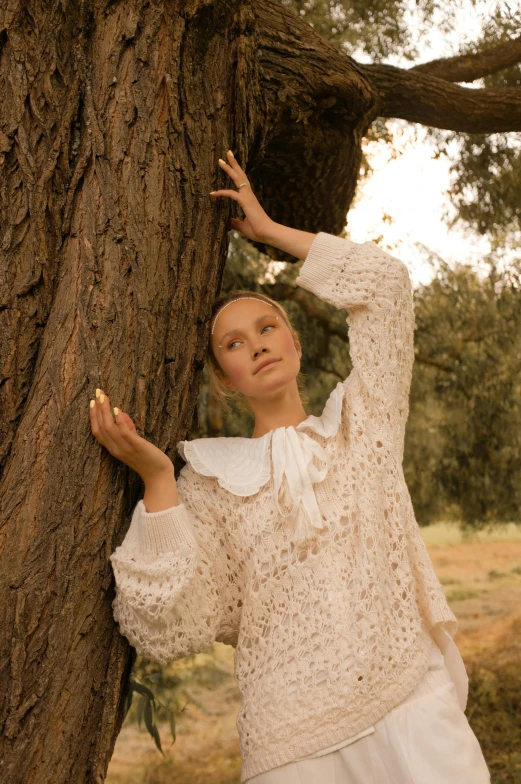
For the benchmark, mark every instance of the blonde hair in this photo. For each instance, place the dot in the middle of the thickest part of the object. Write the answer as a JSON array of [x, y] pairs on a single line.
[[221, 393]]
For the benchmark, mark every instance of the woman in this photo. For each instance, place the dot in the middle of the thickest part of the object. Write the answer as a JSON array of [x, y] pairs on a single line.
[[299, 546]]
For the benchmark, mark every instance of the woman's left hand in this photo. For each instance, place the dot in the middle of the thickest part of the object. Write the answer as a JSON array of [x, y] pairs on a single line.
[[256, 223]]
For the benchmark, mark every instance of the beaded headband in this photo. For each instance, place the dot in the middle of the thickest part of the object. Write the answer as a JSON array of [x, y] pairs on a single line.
[[258, 299]]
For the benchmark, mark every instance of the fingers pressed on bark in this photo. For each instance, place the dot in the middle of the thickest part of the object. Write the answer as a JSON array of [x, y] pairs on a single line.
[[232, 194]]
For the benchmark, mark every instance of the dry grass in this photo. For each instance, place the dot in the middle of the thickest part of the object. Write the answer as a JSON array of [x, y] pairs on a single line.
[[481, 576], [446, 534], [482, 581]]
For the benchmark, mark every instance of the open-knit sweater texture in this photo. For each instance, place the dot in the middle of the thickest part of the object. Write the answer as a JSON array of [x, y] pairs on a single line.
[[331, 622]]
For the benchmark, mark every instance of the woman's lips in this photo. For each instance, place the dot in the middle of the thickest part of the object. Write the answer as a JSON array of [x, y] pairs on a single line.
[[273, 362]]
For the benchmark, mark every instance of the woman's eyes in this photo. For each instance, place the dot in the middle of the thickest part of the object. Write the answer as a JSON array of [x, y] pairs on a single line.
[[262, 330]]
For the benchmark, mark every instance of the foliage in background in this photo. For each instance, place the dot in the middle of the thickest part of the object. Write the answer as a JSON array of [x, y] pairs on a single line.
[[159, 694], [494, 706], [486, 185], [463, 442], [377, 28], [486, 169], [142, 701]]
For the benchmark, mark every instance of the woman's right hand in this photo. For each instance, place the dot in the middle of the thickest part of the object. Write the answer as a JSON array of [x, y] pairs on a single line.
[[123, 442], [256, 223]]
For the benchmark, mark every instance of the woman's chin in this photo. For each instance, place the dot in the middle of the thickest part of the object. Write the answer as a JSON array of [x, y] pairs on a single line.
[[274, 382]]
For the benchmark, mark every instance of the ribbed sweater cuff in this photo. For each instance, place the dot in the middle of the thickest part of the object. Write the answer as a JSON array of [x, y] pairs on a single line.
[[165, 531], [323, 261]]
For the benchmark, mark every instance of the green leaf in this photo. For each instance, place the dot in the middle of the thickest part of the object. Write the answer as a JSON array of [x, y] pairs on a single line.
[[128, 700], [172, 725], [141, 709], [151, 726], [146, 692], [149, 716]]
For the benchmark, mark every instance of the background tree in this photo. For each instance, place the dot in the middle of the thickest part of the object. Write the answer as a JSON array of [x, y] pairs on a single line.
[[487, 168], [463, 444], [112, 116]]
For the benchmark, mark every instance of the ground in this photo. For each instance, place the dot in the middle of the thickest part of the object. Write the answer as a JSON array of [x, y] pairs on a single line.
[[482, 582]]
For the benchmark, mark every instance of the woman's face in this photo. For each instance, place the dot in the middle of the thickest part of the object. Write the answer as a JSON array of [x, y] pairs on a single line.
[[246, 334]]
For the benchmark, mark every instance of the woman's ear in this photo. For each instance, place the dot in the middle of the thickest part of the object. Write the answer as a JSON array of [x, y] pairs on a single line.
[[223, 378]]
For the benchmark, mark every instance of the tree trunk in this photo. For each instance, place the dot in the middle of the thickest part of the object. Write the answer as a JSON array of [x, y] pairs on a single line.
[[112, 117]]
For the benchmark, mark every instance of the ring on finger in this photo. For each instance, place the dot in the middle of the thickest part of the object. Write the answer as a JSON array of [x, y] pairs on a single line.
[[241, 185]]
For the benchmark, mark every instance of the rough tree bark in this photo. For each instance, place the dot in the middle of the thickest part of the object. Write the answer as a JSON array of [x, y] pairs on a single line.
[[112, 117]]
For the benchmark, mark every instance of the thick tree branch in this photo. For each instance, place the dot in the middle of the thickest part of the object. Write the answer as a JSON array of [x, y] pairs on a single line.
[[313, 108], [469, 67], [315, 104], [431, 101]]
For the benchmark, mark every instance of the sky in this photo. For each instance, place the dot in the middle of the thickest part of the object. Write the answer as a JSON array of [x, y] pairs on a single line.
[[405, 198], [404, 201]]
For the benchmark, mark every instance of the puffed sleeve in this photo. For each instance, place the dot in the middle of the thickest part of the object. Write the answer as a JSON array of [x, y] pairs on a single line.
[[177, 580]]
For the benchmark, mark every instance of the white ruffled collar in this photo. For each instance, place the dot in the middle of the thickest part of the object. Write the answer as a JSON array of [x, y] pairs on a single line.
[[243, 465]]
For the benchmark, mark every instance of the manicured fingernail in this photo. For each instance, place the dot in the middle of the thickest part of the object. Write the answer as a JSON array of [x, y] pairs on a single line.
[[221, 161], [231, 153], [212, 192], [116, 411], [101, 398], [98, 392], [92, 403]]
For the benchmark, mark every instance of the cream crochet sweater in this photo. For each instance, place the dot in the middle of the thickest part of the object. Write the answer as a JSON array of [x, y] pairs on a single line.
[[301, 548]]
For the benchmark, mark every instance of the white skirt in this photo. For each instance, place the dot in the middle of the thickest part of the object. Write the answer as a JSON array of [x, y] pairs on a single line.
[[426, 739]]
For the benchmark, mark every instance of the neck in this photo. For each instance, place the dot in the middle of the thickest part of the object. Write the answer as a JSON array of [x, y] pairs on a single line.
[[282, 409]]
